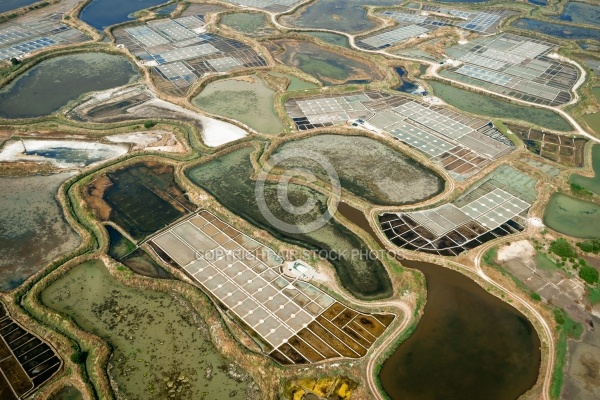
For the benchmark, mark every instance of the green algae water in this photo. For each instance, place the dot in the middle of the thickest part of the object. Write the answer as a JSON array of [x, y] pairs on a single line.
[[592, 184], [485, 105], [162, 349], [228, 179], [573, 217], [247, 99]]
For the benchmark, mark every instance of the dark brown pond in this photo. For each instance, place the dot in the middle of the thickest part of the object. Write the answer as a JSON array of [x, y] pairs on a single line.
[[469, 345]]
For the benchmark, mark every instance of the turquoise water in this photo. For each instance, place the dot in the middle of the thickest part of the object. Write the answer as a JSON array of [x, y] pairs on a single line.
[[592, 184], [103, 13], [573, 217]]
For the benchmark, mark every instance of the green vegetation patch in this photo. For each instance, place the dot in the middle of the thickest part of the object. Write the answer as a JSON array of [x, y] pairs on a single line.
[[562, 248], [590, 246], [588, 274]]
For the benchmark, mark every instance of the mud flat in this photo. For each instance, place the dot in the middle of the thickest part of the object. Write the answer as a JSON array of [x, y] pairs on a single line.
[[33, 230]]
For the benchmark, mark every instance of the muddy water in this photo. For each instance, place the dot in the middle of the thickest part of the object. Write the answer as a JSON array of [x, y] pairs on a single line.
[[468, 345], [51, 84], [161, 349], [33, 230], [330, 67]]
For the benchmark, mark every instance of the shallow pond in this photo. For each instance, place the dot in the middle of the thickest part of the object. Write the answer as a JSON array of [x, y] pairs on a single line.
[[366, 167], [167, 10], [61, 153], [162, 349], [247, 99], [227, 178], [593, 120], [331, 38], [51, 84], [582, 372], [103, 13], [592, 184], [557, 30], [123, 250], [33, 230], [573, 217], [330, 67], [8, 5], [580, 13], [67, 393], [253, 24], [406, 86], [347, 16], [468, 345], [141, 199], [484, 105]]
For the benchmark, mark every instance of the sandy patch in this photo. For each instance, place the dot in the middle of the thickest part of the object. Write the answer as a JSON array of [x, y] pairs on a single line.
[[214, 133], [522, 250], [156, 141]]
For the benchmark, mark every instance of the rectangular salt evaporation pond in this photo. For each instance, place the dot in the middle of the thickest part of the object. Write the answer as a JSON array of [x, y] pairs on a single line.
[[247, 279], [61, 153]]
